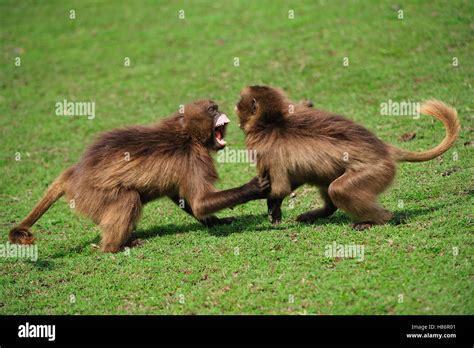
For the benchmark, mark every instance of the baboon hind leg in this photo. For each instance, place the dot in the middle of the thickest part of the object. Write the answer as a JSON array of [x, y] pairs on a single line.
[[356, 194], [119, 220], [327, 210]]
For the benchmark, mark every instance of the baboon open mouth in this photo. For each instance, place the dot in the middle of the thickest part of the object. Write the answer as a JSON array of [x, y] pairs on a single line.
[[220, 124]]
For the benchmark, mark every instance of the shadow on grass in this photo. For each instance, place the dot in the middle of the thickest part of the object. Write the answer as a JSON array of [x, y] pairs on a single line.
[[404, 216], [43, 264], [399, 217], [79, 248], [244, 223], [241, 224]]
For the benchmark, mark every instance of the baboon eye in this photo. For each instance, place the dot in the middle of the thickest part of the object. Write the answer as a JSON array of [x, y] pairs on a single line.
[[254, 105], [212, 108]]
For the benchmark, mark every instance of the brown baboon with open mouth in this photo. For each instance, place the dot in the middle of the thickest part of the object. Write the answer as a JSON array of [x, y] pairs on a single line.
[[126, 168]]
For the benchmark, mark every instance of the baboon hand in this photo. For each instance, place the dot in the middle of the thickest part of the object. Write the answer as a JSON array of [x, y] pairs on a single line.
[[259, 186]]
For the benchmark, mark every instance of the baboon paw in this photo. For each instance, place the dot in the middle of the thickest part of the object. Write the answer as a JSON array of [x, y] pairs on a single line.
[[275, 221], [136, 242], [305, 219], [226, 221], [214, 221], [360, 226], [312, 216], [109, 248]]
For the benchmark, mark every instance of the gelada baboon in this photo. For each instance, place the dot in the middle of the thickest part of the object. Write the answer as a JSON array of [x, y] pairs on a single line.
[[296, 144], [126, 168]]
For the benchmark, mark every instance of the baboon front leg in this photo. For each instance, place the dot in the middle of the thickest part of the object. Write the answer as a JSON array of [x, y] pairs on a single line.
[[274, 210], [119, 220], [209, 221], [327, 210], [281, 187]]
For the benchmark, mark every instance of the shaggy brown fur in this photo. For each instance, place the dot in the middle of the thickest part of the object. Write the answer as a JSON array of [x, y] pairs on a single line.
[[126, 168], [350, 165]]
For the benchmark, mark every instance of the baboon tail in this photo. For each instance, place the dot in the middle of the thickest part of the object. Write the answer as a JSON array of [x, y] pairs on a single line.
[[21, 234], [445, 114]]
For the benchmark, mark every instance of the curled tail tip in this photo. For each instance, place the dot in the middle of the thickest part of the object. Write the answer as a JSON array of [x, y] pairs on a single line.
[[21, 235], [445, 113], [434, 106], [448, 116]]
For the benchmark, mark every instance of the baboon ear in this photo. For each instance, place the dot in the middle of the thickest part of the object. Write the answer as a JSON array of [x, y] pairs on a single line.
[[254, 106]]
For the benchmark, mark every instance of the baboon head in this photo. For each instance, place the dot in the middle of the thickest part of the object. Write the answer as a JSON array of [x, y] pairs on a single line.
[[261, 103], [205, 123]]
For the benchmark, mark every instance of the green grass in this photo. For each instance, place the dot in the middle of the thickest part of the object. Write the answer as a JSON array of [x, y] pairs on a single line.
[[175, 61]]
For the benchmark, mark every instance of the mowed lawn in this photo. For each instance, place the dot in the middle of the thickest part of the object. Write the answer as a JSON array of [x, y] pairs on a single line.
[[420, 263]]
